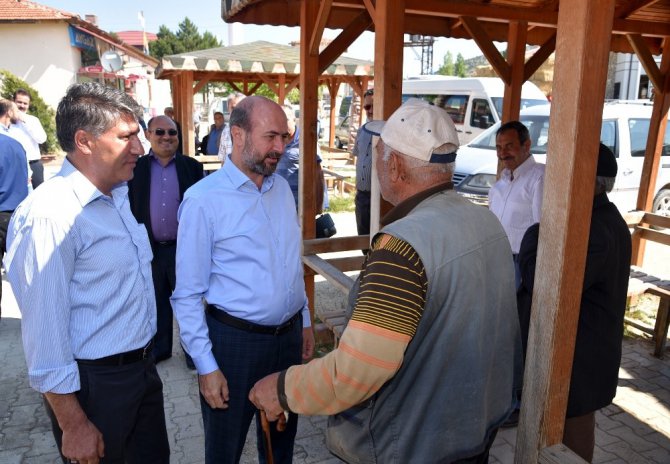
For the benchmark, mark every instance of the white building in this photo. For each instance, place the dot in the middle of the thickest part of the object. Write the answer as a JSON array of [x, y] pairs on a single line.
[[630, 79], [51, 49]]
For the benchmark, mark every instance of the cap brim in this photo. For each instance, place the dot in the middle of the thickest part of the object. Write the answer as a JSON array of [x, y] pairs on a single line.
[[374, 127]]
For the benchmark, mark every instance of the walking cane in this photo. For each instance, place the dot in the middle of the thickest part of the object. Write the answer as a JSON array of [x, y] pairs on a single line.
[[267, 443]]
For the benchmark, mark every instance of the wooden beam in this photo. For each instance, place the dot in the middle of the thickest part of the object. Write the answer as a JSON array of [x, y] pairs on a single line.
[[335, 244], [270, 83], [495, 58], [582, 52], [183, 109], [201, 83], [234, 85], [344, 39], [333, 275], [281, 88], [539, 57], [646, 59], [653, 150], [293, 84], [516, 55], [389, 48], [252, 90], [369, 6], [333, 88], [631, 7], [317, 32]]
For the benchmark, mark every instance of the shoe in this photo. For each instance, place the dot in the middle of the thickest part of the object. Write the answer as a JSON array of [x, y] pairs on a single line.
[[512, 420]]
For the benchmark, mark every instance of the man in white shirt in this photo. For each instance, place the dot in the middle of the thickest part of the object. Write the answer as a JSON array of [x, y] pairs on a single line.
[[226, 143], [32, 127], [516, 198]]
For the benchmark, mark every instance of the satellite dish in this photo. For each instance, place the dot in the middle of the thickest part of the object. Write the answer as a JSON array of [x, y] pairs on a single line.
[[111, 61]]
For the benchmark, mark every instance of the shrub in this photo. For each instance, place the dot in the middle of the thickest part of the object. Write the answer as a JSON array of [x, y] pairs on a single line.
[[9, 83]]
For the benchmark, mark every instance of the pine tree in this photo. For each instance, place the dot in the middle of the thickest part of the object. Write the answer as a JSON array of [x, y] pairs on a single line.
[[460, 66], [186, 39], [447, 68]]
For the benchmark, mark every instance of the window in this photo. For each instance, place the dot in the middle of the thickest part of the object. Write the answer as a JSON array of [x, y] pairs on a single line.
[[639, 132], [481, 114]]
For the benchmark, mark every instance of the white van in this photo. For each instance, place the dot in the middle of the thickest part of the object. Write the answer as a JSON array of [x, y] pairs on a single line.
[[624, 129], [474, 103]]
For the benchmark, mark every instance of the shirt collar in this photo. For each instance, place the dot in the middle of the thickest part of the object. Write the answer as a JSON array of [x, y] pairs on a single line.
[[238, 179], [523, 168], [155, 158], [403, 208], [84, 189]]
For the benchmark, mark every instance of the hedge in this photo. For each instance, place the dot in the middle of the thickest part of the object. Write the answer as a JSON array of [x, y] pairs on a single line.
[[9, 83]]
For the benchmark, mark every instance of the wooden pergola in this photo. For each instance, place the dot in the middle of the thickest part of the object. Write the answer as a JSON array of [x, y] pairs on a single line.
[[581, 33], [246, 67]]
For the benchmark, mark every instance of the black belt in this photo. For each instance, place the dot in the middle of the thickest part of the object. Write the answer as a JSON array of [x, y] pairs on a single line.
[[121, 359], [167, 243], [232, 321], [34, 161]]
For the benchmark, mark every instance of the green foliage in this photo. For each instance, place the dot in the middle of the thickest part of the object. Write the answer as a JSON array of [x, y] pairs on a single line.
[[185, 39], [338, 204], [447, 68], [9, 83], [460, 66]]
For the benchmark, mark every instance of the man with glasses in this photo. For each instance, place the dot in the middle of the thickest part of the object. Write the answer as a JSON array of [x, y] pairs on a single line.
[[156, 190], [363, 153]]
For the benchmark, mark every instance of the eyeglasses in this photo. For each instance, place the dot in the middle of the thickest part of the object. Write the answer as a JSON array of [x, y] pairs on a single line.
[[369, 92], [367, 107], [161, 132]]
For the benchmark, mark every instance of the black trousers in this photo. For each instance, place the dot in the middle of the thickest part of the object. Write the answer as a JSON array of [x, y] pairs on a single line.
[[163, 270], [362, 202], [125, 403], [4, 223], [38, 173]]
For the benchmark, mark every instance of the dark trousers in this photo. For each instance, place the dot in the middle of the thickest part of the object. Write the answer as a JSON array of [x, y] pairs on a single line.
[[362, 202], [245, 358], [4, 223], [163, 270], [38, 172], [125, 403]]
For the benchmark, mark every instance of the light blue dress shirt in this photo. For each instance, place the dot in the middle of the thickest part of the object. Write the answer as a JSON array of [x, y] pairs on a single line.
[[80, 268], [238, 248]]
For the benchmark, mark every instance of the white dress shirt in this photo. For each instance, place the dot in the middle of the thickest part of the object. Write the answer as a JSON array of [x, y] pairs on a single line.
[[35, 132], [518, 203]]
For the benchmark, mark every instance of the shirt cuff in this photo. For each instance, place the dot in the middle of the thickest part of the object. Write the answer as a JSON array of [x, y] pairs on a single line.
[[306, 318], [205, 364], [60, 380]]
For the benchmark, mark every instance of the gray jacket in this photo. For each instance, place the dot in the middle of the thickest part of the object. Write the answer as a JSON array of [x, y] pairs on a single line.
[[455, 386]]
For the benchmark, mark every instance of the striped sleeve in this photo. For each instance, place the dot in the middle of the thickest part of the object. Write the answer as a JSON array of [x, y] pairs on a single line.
[[388, 309]]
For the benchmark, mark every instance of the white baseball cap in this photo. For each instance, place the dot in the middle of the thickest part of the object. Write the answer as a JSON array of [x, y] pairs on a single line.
[[420, 130]]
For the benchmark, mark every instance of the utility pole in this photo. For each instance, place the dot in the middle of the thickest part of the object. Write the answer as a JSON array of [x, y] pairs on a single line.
[[426, 44]]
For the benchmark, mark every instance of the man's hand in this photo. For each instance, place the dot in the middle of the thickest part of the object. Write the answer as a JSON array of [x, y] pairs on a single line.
[[214, 389], [307, 343], [264, 396], [82, 441]]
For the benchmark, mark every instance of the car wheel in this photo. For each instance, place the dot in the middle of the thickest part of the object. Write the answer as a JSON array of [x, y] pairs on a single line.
[[338, 143], [661, 204]]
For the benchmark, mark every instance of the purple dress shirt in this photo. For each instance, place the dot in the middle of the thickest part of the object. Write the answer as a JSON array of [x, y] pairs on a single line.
[[163, 199]]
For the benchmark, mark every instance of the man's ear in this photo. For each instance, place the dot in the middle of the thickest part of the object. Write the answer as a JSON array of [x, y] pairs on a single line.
[[237, 135], [396, 168], [83, 141]]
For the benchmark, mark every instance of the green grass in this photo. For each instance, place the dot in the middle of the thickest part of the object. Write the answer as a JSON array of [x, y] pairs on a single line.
[[339, 204]]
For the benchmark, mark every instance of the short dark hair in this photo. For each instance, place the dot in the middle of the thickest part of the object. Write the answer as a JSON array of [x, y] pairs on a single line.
[[519, 127], [369, 93], [241, 115], [21, 92], [5, 106], [218, 112], [92, 107]]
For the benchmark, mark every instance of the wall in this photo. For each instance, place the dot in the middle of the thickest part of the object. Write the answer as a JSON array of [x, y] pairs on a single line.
[[41, 55]]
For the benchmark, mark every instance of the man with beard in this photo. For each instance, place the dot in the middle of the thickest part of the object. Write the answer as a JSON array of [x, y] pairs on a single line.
[[238, 250]]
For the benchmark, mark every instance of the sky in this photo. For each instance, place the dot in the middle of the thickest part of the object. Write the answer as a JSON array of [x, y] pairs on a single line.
[[120, 15]]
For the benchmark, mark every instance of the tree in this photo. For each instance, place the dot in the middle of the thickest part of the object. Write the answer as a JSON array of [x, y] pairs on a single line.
[[447, 68], [185, 39], [460, 66]]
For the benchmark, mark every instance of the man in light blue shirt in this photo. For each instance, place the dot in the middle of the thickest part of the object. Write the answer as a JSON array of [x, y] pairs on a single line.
[[80, 268], [240, 298]]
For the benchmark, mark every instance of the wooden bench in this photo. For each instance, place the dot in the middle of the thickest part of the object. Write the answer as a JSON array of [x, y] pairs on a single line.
[[331, 158], [210, 163], [338, 181], [641, 281]]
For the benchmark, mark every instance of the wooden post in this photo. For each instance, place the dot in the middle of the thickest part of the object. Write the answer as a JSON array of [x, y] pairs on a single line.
[[333, 88], [653, 151], [309, 75], [516, 55], [583, 40], [389, 42], [185, 114], [281, 84]]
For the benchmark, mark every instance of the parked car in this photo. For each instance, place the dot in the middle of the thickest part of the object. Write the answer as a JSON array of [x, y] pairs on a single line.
[[343, 133], [625, 129]]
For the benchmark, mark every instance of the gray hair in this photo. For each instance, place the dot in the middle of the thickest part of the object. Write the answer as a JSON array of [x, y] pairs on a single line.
[[604, 184], [91, 107]]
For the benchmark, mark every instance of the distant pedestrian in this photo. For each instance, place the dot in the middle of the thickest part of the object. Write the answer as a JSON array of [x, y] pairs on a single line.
[[35, 132]]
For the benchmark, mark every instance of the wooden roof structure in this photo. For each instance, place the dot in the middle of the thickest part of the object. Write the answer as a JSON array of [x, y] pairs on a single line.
[[251, 65], [581, 33]]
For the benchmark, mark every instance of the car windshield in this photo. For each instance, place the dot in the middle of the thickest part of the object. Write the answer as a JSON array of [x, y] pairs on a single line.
[[525, 103]]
